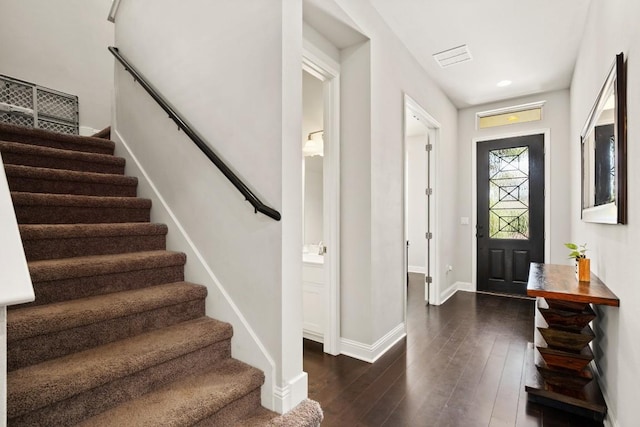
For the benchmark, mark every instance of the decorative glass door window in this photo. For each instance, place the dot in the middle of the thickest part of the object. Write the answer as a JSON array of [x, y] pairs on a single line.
[[509, 193]]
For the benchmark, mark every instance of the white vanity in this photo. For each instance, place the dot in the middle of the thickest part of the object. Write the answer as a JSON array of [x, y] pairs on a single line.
[[313, 294]]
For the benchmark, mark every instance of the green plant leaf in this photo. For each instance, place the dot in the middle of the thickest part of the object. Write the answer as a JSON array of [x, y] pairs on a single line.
[[571, 246]]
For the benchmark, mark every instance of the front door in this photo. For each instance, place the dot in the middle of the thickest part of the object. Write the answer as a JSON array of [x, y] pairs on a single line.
[[510, 228]]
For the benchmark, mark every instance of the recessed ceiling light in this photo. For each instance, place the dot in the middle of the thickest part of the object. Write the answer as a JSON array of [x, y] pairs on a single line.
[[504, 83]]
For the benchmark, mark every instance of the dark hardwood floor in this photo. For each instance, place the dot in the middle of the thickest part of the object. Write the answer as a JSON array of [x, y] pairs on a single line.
[[461, 364]]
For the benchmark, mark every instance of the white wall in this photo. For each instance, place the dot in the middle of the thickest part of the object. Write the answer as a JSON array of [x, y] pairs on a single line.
[[556, 120], [229, 75], [312, 121], [612, 28], [62, 45], [375, 76], [416, 202], [313, 200]]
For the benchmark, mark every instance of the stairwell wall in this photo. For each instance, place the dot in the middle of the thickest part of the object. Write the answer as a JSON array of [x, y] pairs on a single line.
[[233, 70], [61, 45]]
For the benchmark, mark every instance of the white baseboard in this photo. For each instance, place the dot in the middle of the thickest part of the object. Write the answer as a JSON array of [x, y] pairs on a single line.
[[87, 131], [610, 419], [245, 345], [313, 336], [452, 289], [465, 286], [288, 397], [447, 293], [3, 365], [417, 269], [371, 353]]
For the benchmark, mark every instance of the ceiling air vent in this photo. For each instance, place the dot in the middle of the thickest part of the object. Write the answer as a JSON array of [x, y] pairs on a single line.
[[453, 56]]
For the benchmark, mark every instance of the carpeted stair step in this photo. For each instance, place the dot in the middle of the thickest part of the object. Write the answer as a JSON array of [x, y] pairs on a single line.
[[217, 397], [104, 133], [36, 334], [66, 390], [50, 241], [39, 208], [70, 278], [30, 179], [15, 153], [307, 414], [55, 140]]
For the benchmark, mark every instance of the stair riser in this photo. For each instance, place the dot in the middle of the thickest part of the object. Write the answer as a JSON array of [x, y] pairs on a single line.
[[43, 214], [37, 349], [25, 159], [30, 185], [84, 246], [44, 142], [67, 289], [232, 413], [76, 408]]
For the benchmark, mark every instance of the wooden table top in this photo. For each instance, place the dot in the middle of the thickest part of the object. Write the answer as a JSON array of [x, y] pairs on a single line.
[[560, 282]]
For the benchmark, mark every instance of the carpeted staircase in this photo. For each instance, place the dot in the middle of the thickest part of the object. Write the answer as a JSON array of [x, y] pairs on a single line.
[[115, 337]]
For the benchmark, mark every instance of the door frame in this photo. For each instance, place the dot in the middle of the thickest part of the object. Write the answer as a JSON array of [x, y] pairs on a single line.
[[474, 193], [318, 64], [433, 137]]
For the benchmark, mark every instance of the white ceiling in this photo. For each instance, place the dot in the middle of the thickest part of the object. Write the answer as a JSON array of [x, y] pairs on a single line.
[[533, 43]]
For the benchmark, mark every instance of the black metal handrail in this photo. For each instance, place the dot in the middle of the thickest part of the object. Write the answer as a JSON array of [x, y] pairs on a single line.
[[204, 147]]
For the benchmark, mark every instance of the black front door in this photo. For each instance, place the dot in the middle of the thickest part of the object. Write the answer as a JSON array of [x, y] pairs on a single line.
[[510, 229]]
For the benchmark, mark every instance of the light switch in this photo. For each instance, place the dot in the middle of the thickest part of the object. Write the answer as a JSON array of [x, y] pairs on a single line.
[[464, 220]]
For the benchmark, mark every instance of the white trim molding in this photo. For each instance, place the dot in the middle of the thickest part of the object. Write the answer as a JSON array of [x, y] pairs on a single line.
[[417, 269], [610, 419], [371, 353], [286, 398], [321, 66], [3, 365], [245, 345], [465, 286], [452, 289], [313, 336], [447, 293]]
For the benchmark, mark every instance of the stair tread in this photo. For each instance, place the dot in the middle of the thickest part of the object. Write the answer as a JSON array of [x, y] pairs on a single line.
[[307, 414], [35, 172], [57, 231], [89, 141], [48, 199], [186, 401], [64, 268], [45, 319], [39, 150], [40, 385]]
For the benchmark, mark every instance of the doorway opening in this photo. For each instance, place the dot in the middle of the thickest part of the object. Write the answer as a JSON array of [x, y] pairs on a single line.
[[421, 135], [511, 204], [321, 202]]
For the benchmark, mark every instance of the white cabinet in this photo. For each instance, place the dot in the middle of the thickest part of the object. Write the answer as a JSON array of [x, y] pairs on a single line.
[[313, 300]]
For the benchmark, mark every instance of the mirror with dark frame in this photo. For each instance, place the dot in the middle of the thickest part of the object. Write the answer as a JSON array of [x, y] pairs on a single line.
[[604, 147]]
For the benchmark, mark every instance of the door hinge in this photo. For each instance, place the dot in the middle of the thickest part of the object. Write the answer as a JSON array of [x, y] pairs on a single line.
[[428, 147], [428, 235], [428, 279], [428, 191]]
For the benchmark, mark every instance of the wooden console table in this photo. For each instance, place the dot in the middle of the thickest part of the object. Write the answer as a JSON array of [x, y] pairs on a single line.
[[558, 368]]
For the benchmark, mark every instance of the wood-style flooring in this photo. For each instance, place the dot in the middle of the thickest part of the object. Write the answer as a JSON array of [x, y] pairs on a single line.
[[461, 364]]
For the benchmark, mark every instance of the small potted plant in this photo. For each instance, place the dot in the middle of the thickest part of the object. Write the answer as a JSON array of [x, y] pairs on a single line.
[[583, 264]]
